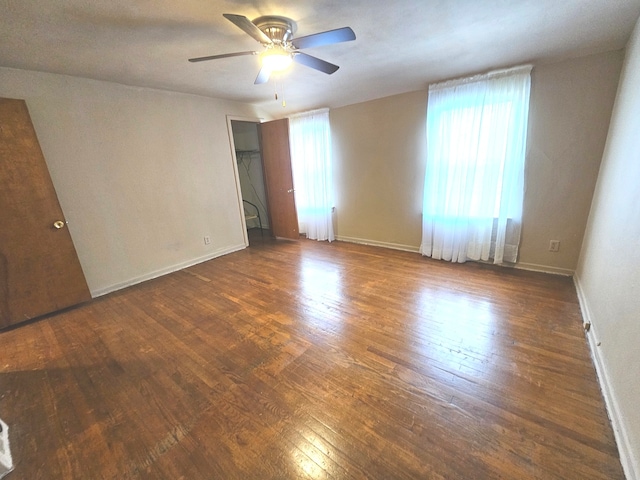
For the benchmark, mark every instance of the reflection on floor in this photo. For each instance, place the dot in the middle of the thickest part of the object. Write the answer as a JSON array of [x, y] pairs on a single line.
[[304, 359]]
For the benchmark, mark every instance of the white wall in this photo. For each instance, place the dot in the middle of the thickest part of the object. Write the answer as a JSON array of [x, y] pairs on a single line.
[[142, 175], [608, 274]]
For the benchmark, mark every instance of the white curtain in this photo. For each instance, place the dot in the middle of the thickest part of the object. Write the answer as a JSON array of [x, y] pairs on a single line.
[[310, 141], [474, 182]]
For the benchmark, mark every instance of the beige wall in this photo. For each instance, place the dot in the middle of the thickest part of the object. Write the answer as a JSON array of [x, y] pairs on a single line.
[[379, 162], [142, 175], [608, 274], [570, 108]]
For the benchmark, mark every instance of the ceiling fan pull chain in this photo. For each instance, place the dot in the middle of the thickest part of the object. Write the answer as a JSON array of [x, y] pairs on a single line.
[[275, 87], [284, 102]]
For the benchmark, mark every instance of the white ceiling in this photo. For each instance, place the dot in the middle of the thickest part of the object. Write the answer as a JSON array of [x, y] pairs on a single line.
[[401, 45]]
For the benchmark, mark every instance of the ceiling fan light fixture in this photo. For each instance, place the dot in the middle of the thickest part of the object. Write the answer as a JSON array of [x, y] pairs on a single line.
[[276, 59]]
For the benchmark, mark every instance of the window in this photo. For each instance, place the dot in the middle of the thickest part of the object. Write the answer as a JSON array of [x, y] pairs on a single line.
[[476, 137], [310, 139]]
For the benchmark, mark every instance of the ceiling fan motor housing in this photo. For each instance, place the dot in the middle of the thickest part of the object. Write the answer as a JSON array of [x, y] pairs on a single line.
[[279, 29]]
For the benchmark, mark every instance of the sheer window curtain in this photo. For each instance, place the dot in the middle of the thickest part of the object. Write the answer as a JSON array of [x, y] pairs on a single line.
[[310, 141], [474, 181]]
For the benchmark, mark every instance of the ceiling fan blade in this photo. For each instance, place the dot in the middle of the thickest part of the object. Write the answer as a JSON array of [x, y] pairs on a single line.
[[224, 55], [248, 27], [344, 34], [315, 62], [263, 76]]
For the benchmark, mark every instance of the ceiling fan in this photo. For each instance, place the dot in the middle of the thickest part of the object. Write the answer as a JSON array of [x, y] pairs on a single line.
[[275, 33]]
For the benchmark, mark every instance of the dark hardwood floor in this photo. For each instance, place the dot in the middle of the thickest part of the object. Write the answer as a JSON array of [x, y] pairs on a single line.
[[311, 360]]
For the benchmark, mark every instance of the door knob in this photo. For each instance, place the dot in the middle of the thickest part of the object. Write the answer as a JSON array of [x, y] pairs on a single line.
[[59, 224], [290, 190]]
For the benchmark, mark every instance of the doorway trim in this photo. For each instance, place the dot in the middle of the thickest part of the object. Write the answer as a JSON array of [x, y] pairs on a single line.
[[236, 174]]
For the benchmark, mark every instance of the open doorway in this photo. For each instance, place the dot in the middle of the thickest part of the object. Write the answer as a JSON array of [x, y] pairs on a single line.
[[246, 143]]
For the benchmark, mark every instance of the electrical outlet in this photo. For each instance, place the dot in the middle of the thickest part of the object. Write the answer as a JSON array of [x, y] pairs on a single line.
[[207, 239], [554, 245]]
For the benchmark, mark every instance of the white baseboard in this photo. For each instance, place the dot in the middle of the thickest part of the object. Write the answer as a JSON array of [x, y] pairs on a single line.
[[410, 248], [163, 271], [375, 243], [630, 464], [532, 267]]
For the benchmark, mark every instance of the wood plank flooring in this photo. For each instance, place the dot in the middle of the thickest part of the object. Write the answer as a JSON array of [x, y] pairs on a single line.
[[309, 360]]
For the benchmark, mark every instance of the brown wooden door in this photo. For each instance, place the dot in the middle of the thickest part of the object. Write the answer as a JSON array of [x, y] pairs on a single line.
[[39, 268], [278, 179]]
